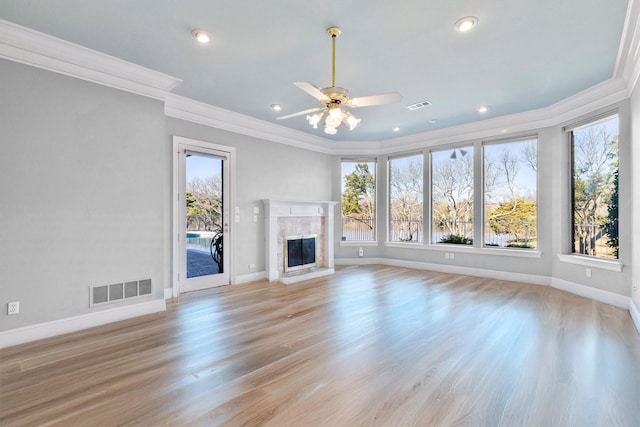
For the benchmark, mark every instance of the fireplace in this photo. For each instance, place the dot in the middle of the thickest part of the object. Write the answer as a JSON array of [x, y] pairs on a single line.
[[302, 219], [299, 252]]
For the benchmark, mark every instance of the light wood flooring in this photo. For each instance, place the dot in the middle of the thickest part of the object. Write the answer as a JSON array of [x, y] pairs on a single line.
[[368, 346]]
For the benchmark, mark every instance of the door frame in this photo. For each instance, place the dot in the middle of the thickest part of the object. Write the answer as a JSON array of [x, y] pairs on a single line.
[[180, 144]]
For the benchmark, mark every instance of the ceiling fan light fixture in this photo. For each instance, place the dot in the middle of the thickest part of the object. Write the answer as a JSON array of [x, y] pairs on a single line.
[[351, 121], [333, 98], [465, 24], [329, 130], [315, 119]]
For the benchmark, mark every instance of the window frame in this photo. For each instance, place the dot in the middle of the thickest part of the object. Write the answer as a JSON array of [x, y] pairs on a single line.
[[613, 264], [483, 222], [401, 243], [374, 241]]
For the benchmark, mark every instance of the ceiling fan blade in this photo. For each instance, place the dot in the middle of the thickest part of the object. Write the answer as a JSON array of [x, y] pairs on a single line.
[[385, 98], [313, 91], [300, 113]]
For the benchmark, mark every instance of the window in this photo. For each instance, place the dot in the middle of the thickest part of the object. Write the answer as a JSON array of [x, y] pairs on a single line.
[[405, 199], [510, 170], [358, 201], [452, 196], [594, 151]]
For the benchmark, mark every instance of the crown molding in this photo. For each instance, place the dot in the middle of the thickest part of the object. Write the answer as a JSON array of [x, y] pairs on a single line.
[[30, 47], [190, 110], [628, 60], [598, 96], [34, 48]]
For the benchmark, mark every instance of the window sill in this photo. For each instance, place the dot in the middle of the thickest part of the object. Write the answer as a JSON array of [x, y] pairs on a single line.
[[444, 247], [603, 264], [358, 243]]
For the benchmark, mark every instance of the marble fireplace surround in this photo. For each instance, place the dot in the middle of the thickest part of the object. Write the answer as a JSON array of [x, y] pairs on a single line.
[[293, 217]]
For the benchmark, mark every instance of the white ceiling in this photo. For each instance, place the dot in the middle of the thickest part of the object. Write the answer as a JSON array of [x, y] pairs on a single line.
[[523, 54]]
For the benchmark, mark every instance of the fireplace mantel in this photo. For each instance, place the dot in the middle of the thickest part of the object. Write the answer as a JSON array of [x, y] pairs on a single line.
[[280, 214]]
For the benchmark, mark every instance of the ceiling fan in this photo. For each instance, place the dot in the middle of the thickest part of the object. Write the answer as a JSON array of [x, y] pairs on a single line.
[[334, 98]]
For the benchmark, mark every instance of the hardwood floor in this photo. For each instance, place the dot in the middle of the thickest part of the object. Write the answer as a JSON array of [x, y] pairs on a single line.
[[370, 345]]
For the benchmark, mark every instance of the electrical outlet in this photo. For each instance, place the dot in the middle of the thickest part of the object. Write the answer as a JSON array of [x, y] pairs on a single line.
[[360, 252], [634, 288], [446, 255], [588, 272], [13, 308], [252, 266], [452, 255]]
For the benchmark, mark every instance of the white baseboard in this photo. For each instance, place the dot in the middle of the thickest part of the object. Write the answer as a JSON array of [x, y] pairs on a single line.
[[635, 314], [251, 277], [168, 293], [72, 324], [592, 293], [452, 269], [571, 287]]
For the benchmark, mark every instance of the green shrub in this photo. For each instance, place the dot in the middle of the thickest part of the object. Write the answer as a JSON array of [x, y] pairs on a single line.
[[456, 239]]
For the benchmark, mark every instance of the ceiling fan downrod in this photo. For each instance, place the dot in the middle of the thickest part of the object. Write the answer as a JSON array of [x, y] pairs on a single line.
[[334, 32]]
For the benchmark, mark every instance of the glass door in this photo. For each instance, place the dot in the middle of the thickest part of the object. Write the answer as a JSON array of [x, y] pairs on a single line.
[[204, 214]]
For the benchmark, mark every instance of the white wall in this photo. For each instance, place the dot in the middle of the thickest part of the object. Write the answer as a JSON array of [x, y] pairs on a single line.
[[554, 209], [264, 170], [635, 192], [82, 199], [85, 184]]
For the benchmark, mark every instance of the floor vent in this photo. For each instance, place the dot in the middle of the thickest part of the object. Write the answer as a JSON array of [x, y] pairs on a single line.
[[104, 294], [418, 105]]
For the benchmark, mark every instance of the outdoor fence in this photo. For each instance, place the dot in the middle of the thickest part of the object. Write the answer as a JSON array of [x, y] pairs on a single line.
[[591, 239], [358, 229], [405, 230]]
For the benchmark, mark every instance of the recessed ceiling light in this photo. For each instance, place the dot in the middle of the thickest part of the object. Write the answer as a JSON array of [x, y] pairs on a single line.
[[276, 107], [433, 121], [483, 109], [202, 36], [396, 129], [465, 24]]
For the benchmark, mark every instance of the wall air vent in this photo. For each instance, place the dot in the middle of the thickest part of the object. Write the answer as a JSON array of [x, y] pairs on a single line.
[[418, 105], [104, 294]]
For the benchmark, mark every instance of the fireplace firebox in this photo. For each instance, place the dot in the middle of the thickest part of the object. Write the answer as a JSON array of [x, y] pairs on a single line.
[[300, 252]]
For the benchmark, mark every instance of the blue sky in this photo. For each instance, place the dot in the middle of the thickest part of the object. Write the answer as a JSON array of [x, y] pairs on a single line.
[[202, 167]]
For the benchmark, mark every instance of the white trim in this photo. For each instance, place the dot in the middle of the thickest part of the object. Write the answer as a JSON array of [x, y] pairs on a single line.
[[288, 280], [180, 144], [198, 112], [30, 47], [603, 264], [635, 314], [37, 49], [595, 294], [591, 293], [168, 293], [452, 269], [77, 323], [250, 277]]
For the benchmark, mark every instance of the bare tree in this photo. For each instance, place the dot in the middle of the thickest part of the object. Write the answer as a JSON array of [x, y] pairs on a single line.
[[204, 210], [406, 200], [595, 161], [530, 155], [452, 192]]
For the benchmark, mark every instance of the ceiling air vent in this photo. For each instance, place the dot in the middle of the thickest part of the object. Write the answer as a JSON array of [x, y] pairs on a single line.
[[418, 105]]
